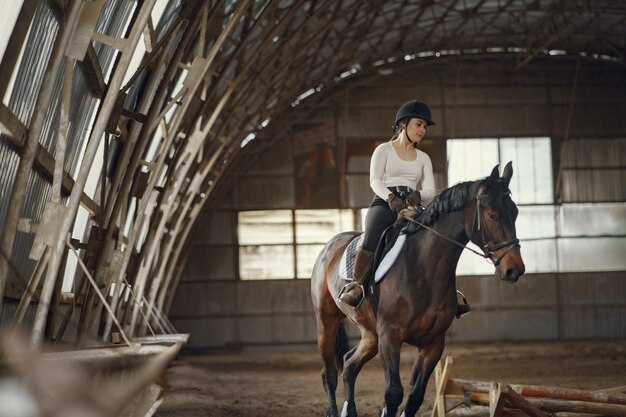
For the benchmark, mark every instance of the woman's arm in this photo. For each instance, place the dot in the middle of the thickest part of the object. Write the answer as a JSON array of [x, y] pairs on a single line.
[[428, 181], [377, 172]]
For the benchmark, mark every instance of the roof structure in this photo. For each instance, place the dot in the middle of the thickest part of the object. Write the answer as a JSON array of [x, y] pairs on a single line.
[[137, 112]]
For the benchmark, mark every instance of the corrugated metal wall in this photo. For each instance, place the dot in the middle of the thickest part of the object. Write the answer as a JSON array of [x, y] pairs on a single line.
[[222, 312]]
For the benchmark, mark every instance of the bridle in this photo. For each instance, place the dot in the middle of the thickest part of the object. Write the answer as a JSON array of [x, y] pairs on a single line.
[[488, 249]]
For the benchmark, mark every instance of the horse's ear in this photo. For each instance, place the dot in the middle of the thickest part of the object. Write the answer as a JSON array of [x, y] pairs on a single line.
[[508, 173], [495, 172]]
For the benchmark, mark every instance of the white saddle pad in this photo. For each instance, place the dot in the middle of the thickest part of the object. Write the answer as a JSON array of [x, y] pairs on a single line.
[[346, 265]]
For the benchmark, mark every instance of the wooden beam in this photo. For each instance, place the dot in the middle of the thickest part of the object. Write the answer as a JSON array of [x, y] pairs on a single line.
[[15, 133], [501, 396], [84, 29], [92, 71], [12, 127], [44, 164]]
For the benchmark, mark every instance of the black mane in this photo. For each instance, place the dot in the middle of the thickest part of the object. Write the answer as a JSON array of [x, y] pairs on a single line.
[[457, 197], [449, 200]]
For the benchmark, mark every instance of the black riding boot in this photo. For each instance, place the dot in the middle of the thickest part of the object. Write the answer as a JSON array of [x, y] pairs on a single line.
[[462, 309], [354, 293]]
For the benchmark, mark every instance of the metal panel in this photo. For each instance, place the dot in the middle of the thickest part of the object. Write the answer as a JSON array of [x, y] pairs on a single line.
[[199, 300], [594, 170], [31, 69], [217, 228], [266, 192], [207, 263]]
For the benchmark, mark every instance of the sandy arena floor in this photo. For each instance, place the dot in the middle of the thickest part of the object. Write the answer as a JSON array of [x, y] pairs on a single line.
[[289, 384]]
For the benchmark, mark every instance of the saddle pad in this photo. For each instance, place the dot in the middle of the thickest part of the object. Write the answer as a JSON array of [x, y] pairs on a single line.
[[346, 264], [390, 258]]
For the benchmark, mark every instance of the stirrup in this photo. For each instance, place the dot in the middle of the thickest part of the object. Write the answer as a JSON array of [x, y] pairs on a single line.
[[348, 286]]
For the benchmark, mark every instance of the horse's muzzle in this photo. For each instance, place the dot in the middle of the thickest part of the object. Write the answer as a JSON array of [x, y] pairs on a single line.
[[511, 268], [512, 274]]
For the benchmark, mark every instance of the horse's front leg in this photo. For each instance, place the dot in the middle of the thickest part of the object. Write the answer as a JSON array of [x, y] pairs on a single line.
[[389, 346], [355, 359], [423, 367]]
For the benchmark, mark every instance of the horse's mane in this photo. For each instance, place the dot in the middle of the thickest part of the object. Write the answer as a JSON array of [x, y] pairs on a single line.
[[451, 199], [455, 198]]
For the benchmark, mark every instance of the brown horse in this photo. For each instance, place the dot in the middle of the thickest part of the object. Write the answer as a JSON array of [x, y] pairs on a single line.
[[417, 298]]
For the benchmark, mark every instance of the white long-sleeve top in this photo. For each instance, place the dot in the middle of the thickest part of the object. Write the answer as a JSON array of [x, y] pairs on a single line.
[[388, 170]]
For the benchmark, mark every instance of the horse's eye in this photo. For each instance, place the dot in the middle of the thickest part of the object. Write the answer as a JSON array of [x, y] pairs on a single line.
[[492, 216]]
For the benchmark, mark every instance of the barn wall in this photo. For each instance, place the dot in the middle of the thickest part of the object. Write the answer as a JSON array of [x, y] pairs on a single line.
[[278, 314], [223, 312]]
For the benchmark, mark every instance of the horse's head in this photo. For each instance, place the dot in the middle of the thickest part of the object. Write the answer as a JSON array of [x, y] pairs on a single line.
[[492, 224]]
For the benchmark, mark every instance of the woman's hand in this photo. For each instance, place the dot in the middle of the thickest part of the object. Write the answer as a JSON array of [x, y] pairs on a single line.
[[395, 204], [414, 199]]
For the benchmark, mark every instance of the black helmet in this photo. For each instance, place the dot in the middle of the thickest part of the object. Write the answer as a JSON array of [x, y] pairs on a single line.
[[413, 109]]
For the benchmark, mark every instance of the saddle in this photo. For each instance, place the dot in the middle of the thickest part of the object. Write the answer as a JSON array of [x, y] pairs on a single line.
[[389, 247]]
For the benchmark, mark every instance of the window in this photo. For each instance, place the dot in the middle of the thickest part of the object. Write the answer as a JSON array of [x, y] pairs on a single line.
[[470, 159], [283, 244], [554, 238], [265, 244]]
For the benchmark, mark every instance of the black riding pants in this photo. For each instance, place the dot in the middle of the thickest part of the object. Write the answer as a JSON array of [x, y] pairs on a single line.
[[379, 217]]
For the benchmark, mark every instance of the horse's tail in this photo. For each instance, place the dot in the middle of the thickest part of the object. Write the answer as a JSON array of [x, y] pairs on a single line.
[[342, 345]]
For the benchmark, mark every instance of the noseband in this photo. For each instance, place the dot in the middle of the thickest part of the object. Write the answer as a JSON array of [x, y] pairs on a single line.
[[490, 249]]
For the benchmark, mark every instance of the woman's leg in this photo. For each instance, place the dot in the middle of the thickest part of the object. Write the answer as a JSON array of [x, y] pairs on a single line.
[[378, 218]]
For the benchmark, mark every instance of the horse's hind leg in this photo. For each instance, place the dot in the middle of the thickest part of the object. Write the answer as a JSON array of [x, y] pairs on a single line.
[[326, 337], [365, 350], [423, 367]]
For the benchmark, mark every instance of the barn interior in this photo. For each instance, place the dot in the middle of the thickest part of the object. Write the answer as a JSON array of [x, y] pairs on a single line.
[[171, 169]]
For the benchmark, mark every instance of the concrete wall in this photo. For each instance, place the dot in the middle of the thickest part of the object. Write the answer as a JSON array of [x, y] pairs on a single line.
[[489, 100]]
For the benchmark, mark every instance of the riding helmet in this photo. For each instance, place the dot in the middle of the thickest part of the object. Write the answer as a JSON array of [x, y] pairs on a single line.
[[413, 109]]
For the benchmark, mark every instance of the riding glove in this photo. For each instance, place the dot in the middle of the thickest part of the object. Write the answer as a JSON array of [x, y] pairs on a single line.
[[395, 203], [414, 199]]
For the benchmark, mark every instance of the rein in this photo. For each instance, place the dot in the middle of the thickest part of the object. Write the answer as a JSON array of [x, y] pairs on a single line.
[[490, 254], [441, 235]]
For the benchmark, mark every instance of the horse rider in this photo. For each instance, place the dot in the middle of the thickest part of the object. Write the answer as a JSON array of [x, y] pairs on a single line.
[[397, 169]]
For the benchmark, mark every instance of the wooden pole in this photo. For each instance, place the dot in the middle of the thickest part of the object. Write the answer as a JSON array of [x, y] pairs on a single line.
[[549, 392]]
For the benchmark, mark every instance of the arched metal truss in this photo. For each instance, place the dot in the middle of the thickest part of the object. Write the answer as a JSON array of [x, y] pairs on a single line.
[[218, 82]]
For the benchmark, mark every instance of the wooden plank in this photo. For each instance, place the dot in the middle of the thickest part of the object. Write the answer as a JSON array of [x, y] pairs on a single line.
[[549, 392], [92, 71], [555, 405], [496, 400], [121, 44], [84, 29], [44, 164], [29, 292], [12, 127], [441, 382], [149, 38], [516, 400], [549, 404]]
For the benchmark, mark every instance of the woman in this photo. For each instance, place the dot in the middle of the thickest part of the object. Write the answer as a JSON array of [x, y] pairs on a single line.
[[397, 168]]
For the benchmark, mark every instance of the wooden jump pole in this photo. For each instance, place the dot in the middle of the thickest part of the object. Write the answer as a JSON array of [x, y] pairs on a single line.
[[549, 392]]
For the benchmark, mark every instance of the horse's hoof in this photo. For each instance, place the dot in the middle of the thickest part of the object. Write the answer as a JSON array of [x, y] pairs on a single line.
[[349, 410], [384, 413], [331, 413]]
